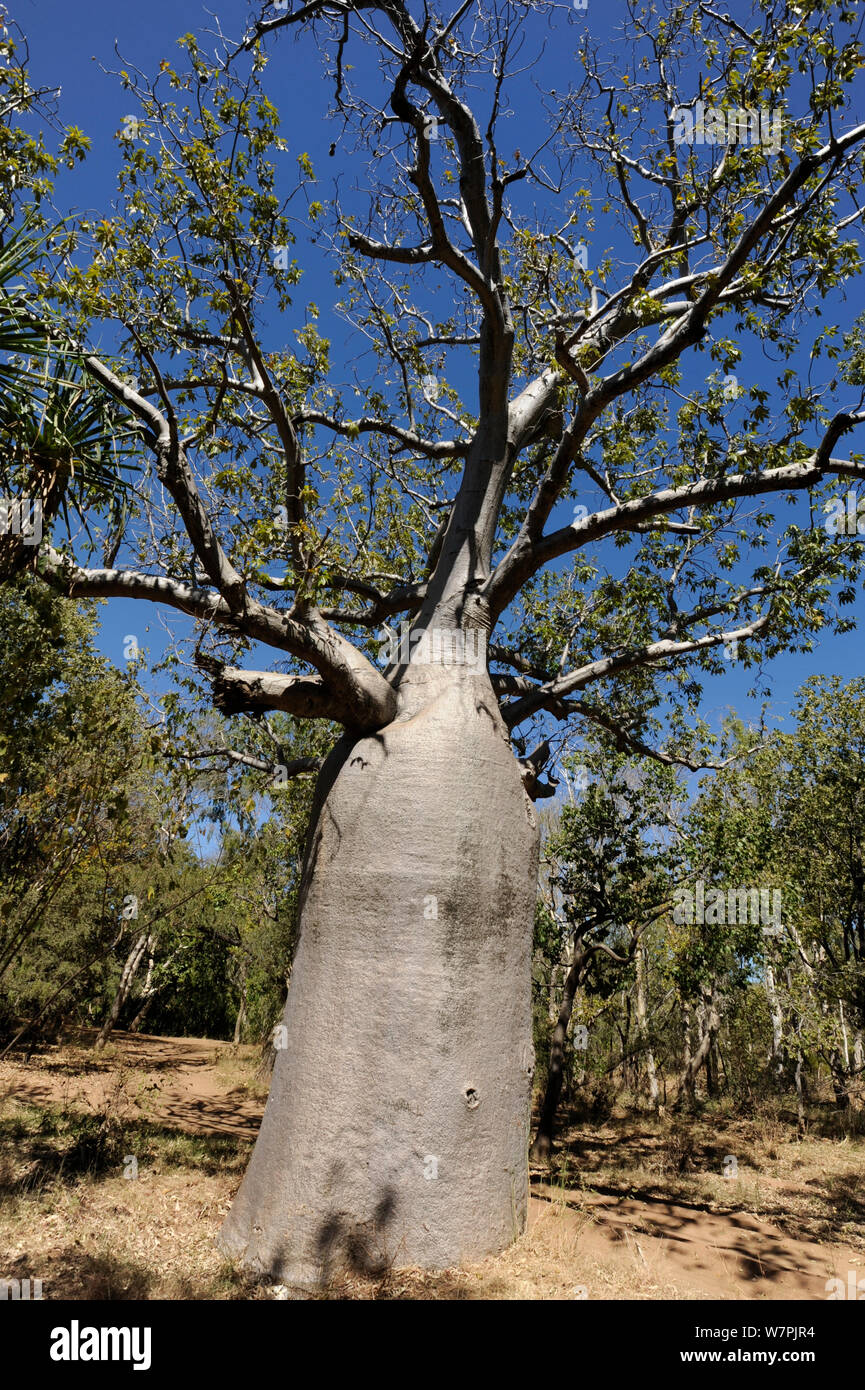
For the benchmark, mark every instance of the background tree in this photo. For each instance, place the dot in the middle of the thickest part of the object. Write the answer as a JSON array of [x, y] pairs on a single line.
[[64, 808], [615, 857], [823, 822], [807, 788]]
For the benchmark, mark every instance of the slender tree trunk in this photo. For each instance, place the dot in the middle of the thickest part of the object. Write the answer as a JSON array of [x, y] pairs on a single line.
[[722, 1065], [844, 1043], [138, 1021], [840, 1079], [688, 1072], [710, 1024], [396, 1131], [776, 1055], [713, 1068], [240, 1021], [642, 1025], [543, 1140], [553, 999], [628, 1062], [127, 975], [800, 1095], [148, 993]]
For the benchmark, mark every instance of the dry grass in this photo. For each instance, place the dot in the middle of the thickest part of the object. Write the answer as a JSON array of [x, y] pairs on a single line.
[[240, 1072], [814, 1187], [71, 1217], [635, 1207]]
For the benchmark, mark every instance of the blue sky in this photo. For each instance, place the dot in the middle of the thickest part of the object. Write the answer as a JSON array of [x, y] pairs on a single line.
[[65, 40]]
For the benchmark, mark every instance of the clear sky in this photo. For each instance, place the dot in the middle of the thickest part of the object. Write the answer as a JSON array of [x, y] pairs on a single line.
[[65, 39]]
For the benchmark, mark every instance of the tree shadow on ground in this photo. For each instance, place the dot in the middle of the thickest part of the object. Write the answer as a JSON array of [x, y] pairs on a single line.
[[641, 1146], [679, 1162], [85, 1275], [74, 1054], [699, 1241], [63, 1148]]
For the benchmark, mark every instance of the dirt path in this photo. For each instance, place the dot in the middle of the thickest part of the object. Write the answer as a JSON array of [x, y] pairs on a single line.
[[698, 1253], [185, 1082], [582, 1241]]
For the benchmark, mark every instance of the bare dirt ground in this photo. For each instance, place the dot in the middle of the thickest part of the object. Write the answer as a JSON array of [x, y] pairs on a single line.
[[117, 1169]]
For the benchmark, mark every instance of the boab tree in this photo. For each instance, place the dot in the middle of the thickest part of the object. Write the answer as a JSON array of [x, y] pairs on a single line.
[[557, 486]]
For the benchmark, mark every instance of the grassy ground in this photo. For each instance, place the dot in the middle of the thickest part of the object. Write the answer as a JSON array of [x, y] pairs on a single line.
[[116, 1171], [813, 1188]]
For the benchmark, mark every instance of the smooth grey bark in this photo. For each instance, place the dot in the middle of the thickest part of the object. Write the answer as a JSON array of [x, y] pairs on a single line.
[[396, 1131]]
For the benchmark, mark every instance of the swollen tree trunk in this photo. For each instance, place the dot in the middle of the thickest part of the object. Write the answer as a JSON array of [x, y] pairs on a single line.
[[396, 1130]]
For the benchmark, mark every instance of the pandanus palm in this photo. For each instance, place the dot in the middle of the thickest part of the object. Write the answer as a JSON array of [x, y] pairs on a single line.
[[62, 442]]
